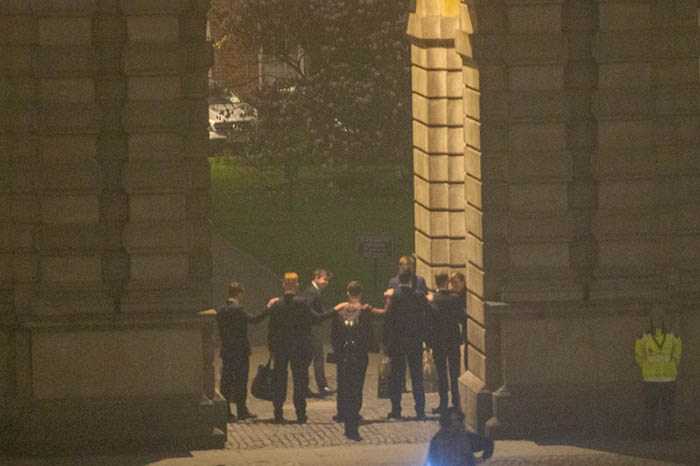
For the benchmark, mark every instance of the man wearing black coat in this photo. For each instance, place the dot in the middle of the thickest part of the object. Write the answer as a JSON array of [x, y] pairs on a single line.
[[313, 297], [417, 282], [352, 337], [453, 445], [289, 340], [444, 337], [232, 320], [405, 333]]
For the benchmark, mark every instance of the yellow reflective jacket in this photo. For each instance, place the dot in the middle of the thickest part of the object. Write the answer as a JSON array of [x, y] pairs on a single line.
[[658, 355]]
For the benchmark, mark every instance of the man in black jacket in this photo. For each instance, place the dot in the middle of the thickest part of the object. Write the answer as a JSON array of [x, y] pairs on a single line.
[[444, 337], [313, 297], [289, 340], [453, 445], [417, 282], [405, 332], [232, 320]]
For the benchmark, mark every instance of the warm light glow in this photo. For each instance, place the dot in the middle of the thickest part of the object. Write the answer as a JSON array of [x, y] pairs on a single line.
[[449, 7]]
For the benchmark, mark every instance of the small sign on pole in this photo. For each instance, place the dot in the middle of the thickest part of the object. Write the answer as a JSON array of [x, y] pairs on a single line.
[[374, 246]]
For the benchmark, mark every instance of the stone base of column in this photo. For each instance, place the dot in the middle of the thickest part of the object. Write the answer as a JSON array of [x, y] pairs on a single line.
[[99, 426], [475, 399], [113, 383], [556, 411]]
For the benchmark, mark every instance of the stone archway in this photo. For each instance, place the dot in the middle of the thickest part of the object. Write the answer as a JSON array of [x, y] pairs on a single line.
[[580, 121]]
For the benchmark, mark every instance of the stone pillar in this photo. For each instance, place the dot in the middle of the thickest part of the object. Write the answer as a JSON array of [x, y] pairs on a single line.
[[166, 174], [479, 42], [580, 121], [104, 245], [675, 88], [623, 163], [438, 153]]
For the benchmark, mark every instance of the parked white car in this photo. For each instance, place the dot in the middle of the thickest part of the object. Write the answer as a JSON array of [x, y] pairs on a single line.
[[228, 116]]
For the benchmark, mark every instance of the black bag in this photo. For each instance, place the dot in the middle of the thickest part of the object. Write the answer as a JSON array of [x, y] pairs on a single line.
[[331, 358], [384, 378], [262, 383]]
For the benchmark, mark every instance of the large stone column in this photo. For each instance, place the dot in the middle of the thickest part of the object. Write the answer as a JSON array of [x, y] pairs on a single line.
[[104, 245], [580, 121], [438, 156]]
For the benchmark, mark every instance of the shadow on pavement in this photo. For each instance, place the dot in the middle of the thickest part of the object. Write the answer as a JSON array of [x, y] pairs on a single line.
[[684, 451]]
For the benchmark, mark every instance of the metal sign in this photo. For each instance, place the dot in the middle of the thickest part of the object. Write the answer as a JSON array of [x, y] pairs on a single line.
[[375, 246]]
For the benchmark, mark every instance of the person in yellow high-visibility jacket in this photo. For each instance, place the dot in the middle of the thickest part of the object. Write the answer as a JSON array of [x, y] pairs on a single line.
[[658, 353]]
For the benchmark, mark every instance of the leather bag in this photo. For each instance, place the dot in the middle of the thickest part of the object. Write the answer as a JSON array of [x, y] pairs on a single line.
[[262, 387]]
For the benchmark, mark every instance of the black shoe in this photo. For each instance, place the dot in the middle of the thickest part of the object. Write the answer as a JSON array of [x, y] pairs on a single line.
[[279, 419], [325, 391], [353, 436], [488, 449], [302, 419], [338, 418], [393, 415], [246, 415]]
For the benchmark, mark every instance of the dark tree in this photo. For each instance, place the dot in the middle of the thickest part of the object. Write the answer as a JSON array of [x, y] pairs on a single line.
[[348, 98]]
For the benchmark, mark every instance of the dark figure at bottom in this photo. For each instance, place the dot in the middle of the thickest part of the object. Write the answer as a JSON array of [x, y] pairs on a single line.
[[232, 320], [352, 338], [453, 445]]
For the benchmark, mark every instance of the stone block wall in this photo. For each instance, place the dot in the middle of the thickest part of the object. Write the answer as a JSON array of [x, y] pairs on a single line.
[[581, 135], [438, 157], [104, 200]]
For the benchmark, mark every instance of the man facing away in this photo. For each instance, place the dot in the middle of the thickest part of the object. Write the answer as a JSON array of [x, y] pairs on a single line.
[[658, 353], [444, 337], [289, 340], [353, 338], [313, 297], [404, 329], [232, 320]]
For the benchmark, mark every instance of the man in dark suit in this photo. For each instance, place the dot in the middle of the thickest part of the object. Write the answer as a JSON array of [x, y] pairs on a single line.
[[417, 282], [405, 332], [289, 340], [232, 320], [313, 297], [444, 337]]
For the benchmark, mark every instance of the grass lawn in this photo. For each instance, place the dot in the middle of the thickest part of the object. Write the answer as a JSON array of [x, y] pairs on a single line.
[[251, 208]]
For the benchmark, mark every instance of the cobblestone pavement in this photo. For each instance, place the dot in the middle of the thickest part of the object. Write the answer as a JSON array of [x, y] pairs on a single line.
[[320, 429]]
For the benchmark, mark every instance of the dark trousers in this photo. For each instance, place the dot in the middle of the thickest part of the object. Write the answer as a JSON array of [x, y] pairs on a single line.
[[443, 358], [300, 377], [398, 374], [234, 381], [659, 396], [318, 357], [351, 380]]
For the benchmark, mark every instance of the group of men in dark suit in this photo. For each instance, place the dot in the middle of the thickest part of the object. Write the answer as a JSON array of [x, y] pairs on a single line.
[[415, 317], [294, 340]]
